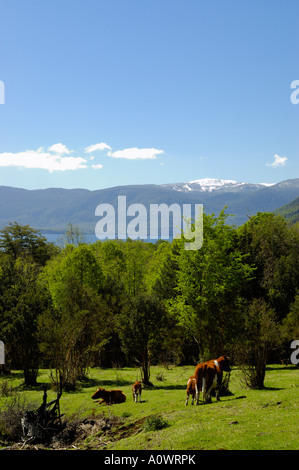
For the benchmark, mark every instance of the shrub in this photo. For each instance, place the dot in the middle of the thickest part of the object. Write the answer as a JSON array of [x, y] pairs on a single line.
[[5, 388], [155, 423], [10, 416]]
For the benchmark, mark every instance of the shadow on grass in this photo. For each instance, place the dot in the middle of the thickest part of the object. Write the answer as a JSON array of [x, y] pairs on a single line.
[[279, 367], [165, 387], [267, 389], [87, 383]]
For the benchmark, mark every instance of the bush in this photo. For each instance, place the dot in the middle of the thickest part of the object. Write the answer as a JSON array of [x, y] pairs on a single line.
[[10, 416], [260, 337], [155, 423], [5, 388]]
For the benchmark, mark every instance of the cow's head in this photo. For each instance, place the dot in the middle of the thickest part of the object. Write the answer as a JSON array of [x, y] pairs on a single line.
[[224, 364], [98, 393]]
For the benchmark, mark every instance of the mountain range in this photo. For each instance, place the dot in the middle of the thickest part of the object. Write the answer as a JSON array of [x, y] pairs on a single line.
[[50, 210]]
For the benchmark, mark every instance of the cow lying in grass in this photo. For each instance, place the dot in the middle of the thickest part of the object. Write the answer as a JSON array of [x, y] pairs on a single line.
[[136, 389], [109, 397]]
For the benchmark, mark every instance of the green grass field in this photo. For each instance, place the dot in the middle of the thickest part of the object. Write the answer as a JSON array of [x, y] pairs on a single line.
[[265, 419]]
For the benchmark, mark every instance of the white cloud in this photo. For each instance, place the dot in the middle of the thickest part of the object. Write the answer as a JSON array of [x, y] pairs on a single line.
[[42, 160], [136, 153], [97, 167], [61, 149], [57, 157], [95, 147], [278, 161]]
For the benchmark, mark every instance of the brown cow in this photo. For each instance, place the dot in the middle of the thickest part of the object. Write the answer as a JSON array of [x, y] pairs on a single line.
[[191, 389], [109, 396], [209, 375], [136, 389]]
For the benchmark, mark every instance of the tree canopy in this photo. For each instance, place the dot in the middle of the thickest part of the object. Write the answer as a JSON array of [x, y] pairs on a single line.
[[137, 303]]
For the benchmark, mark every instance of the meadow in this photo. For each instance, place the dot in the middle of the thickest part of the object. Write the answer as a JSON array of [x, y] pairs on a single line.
[[245, 419]]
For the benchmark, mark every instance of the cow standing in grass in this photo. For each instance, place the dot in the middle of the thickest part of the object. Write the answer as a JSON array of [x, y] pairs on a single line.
[[209, 376], [136, 389]]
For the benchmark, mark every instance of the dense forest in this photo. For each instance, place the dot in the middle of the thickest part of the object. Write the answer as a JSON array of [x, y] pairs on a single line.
[[133, 303]]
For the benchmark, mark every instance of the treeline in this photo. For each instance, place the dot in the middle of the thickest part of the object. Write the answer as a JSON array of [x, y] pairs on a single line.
[[117, 303]]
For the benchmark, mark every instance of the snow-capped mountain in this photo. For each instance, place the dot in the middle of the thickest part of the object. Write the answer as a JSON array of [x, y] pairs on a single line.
[[214, 184], [49, 210]]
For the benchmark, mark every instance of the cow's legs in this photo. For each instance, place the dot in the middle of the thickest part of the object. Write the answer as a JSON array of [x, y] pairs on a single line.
[[135, 397], [214, 385]]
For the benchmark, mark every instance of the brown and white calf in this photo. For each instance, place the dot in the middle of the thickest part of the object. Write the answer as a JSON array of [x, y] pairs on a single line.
[[136, 389], [191, 389]]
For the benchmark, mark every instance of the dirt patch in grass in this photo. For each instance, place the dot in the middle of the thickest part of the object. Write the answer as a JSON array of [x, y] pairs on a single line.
[[89, 433]]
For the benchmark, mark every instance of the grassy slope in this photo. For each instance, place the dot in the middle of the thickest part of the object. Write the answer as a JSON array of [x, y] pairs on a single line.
[[247, 419]]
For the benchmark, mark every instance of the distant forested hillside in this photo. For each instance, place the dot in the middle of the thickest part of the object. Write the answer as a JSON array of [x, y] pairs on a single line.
[[290, 211]]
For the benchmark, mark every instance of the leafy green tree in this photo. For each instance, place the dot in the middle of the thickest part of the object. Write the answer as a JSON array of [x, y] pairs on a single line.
[[259, 337], [23, 252], [210, 282], [273, 248], [110, 254], [161, 275], [141, 327], [22, 240], [75, 332], [290, 326], [20, 306], [161, 282]]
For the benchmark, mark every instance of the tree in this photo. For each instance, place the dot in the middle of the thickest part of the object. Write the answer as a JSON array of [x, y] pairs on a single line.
[[260, 336], [290, 326], [141, 327], [22, 240], [73, 236], [21, 304], [137, 255], [75, 332], [110, 254], [210, 282], [273, 248], [23, 252]]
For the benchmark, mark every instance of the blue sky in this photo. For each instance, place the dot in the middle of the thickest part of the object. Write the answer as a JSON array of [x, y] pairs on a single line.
[[115, 92]]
